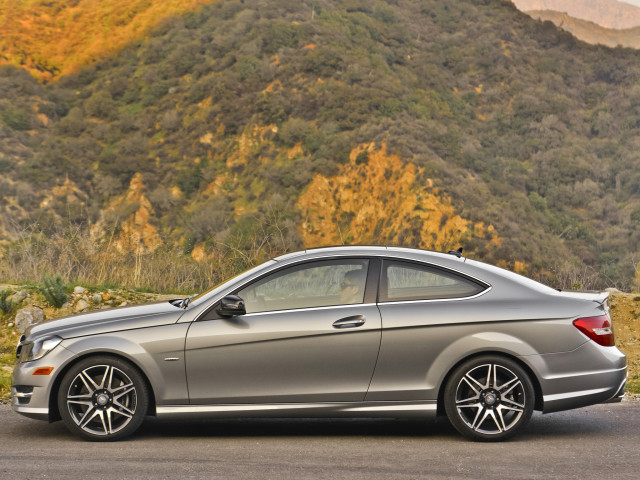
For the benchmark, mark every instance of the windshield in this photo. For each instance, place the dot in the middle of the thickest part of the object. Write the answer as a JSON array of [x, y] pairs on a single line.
[[212, 291]]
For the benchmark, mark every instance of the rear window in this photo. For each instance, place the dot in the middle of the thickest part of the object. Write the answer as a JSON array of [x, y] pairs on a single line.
[[411, 281]]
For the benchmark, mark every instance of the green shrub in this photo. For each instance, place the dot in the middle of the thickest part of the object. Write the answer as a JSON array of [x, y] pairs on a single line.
[[5, 305], [54, 291]]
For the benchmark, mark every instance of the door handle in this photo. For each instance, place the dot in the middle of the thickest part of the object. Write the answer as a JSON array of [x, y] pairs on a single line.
[[349, 322]]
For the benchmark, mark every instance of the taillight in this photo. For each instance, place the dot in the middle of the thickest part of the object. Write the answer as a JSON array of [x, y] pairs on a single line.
[[597, 329]]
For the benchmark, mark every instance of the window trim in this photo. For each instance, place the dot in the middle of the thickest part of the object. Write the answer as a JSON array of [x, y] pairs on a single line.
[[370, 288], [383, 295]]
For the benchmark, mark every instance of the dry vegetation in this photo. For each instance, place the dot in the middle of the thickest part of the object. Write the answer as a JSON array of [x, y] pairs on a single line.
[[53, 38]]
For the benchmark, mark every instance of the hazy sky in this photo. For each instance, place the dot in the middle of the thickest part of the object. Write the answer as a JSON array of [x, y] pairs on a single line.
[[632, 2]]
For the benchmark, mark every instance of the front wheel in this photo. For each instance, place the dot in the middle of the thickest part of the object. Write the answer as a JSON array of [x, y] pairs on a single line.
[[103, 398], [489, 398]]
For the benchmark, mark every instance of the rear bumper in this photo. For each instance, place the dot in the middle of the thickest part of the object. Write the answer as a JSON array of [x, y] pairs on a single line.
[[585, 376]]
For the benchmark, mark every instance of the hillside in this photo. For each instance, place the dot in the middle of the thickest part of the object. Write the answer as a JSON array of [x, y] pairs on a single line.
[[247, 128], [606, 13], [590, 32], [53, 38]]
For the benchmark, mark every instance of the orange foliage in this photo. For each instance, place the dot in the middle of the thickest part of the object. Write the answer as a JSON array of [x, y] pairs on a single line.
[[377, 198], [52, 38]]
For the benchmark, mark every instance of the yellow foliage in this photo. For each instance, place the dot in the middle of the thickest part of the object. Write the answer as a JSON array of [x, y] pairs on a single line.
[[377, 198], [137, 234], [52, 38]]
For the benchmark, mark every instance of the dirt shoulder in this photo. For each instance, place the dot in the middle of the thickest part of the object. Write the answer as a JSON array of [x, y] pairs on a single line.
[[625, 313]]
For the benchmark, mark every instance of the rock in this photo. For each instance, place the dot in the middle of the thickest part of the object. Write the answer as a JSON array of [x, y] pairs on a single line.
[[27, 317], [81, 306], [18, 297], [10, 325], [96, 298], [123, 304], [106, 296], [79, 290]]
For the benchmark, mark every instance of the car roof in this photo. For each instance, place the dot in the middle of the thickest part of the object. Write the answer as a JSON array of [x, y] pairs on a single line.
[[365, 250]]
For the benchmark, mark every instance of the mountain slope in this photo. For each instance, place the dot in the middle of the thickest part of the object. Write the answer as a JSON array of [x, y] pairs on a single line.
[[53, 38], [590, 32], [461, 123], [606, 13]]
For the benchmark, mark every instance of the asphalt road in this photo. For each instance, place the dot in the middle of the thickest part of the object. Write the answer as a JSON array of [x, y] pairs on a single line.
[[600, 442]]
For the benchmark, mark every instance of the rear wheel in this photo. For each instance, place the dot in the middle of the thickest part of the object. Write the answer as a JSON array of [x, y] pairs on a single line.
[[489, 398], [103, 398]]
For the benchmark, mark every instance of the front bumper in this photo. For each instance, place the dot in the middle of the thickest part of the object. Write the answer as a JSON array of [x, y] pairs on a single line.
[[30, 394]]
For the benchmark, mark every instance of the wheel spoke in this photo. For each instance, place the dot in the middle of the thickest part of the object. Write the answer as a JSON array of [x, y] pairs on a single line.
[[469, 379], [122, 390], [125, 412], [84, 376], [107, 413], [475, 424], [88, 416], [511, 405], [506, 392], [86, 403], [492, 368], [466, 401], [492, 414], [107, 377], [505, 384], [125, 409], [79, 397], [104, 425], [499, 412]]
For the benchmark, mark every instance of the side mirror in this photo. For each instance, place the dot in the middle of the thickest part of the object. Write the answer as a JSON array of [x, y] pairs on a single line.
[[231, 306]]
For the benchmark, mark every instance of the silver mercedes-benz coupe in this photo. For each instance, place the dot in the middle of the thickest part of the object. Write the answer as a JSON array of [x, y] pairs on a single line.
[[330, 332]]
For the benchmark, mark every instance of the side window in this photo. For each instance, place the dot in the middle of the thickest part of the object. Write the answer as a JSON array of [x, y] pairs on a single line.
[[411, 281], [314, 284]]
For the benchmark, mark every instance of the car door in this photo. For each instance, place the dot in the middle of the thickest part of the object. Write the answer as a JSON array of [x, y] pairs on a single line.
[[424, 309], [311, 334]]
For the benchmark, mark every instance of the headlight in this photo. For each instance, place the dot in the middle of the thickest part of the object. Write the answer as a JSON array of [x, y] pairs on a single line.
[[39, 348]]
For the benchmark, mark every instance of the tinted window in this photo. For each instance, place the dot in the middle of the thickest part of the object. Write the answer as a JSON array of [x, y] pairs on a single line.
[[410, 281], [315, 284]]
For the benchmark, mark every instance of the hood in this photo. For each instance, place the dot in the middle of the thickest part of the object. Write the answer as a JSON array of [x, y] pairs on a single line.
[[102, 321]]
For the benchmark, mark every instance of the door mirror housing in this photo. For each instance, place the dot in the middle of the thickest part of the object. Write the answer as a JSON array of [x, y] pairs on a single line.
[[231, 306]]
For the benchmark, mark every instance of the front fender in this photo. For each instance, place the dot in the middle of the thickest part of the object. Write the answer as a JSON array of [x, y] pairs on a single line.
[[158, 352]]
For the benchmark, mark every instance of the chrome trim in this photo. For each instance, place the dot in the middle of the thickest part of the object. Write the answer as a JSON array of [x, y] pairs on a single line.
[[458, 299], [328, 307], [581, 393], [329, 408], [25, 410], [171, 359], [581, 374], [22, 394]]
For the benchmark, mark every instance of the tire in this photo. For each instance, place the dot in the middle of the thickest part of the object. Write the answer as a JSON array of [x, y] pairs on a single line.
[[489, 398], [103, 398]]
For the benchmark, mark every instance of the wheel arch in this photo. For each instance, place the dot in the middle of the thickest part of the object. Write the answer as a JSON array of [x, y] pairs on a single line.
[[54, 412], [532, 376]]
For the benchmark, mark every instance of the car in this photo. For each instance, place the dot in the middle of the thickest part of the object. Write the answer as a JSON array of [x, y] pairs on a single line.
[[348, 331]]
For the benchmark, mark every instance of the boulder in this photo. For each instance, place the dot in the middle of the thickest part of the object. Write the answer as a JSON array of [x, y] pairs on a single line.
[[79, 290], [96, 298], [18, 297], [81, 306], [27, 317]]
